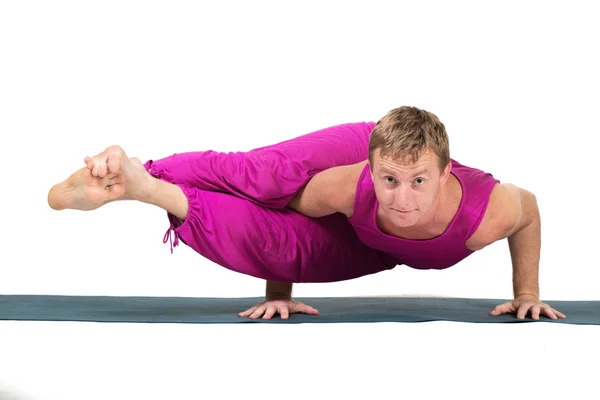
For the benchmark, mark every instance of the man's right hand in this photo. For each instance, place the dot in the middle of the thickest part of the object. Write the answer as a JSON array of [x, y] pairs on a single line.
[[284, 307]]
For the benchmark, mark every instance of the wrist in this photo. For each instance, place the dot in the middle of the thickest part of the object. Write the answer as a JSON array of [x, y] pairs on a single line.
[[278, 290], [278, 296], [534, 295]]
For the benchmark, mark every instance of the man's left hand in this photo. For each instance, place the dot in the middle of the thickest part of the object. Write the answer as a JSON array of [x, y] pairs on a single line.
[[521, 305]]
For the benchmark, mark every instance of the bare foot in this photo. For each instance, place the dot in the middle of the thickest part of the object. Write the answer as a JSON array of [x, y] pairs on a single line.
[[114, 162], [82, 191], [107, 177]]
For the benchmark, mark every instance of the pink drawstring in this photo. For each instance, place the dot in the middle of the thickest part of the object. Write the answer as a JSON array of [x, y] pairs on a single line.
[[164, 175], [168, 237]]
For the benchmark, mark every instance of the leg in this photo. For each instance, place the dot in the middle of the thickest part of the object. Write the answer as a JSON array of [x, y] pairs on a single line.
[[269, 176], [276, 245]]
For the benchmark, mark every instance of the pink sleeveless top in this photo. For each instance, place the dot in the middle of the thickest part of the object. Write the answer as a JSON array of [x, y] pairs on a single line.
[[440, 252]]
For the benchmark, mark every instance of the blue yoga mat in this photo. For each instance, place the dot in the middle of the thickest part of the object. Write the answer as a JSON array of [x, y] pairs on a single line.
[[225, 310]]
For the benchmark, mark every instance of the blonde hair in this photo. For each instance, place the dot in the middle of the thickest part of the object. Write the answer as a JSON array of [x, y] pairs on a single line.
[[404, 133]]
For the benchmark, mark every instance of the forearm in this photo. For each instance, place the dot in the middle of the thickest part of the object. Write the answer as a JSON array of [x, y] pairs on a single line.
[[525, 245], [278, 290]]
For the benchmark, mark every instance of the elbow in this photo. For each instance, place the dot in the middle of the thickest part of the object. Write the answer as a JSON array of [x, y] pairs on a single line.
[[525, 215]]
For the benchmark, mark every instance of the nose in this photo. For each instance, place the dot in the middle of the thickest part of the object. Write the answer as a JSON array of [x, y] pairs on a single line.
[[402, 197]]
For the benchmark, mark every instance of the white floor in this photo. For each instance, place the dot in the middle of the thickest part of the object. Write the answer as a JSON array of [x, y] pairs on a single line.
[[47, 361]]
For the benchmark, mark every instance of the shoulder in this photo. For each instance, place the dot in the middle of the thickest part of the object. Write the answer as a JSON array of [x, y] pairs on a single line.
[[502, 215]]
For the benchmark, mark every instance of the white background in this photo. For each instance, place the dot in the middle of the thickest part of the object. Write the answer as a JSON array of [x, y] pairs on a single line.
[[515, 83]]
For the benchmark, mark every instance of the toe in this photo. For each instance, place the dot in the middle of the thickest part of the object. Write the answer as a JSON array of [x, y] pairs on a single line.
[[95, 168], [114, 162], [102, 170]]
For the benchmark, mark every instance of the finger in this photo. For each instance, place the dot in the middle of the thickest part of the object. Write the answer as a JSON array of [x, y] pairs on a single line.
[[86, 161], [258, 312], [309, 310], [502, 308], [271, 310], [523, 311], [551, 313], [284, 312], [247, 312], [497, 311], [559, 314], [535, 312]]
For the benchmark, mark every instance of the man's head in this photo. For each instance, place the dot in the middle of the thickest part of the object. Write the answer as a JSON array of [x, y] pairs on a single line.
[[409, 159]]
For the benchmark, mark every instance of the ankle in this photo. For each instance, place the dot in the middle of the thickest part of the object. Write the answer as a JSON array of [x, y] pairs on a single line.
[[144, 191], [169, 197]]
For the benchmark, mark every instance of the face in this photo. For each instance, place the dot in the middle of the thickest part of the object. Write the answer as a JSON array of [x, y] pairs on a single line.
[[408, 193]]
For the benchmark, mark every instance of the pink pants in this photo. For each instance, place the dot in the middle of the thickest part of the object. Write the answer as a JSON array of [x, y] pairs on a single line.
[[237, 216]]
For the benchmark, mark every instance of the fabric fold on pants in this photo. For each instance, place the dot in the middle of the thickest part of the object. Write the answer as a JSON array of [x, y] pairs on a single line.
[[237, 216]]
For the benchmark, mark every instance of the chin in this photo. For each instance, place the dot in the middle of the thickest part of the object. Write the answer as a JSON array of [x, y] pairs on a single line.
[[402, 221], [404, 224]]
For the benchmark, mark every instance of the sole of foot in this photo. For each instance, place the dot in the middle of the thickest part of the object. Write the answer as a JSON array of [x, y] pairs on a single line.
[[83, 191]]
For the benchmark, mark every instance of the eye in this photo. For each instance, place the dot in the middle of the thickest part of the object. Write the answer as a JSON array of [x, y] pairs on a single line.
[[389, 179], [420, 181]]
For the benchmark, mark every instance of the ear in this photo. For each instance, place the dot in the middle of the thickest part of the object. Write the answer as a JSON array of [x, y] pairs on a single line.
[[446, 174]]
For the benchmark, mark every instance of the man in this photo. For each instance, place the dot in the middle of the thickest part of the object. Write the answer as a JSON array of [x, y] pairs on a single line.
[[365, 198]]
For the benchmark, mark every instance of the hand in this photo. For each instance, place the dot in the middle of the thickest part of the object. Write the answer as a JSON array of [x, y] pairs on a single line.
[[283, 306], [527, 303]]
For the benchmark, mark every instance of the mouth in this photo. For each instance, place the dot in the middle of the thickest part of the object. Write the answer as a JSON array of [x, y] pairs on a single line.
[[400, 211]]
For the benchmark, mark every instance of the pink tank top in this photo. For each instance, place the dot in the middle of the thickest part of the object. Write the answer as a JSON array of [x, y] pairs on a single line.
[[440, 252]]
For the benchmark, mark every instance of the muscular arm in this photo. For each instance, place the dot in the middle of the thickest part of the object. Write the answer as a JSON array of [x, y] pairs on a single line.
[[329, 192], [513, 214], [524, 241]]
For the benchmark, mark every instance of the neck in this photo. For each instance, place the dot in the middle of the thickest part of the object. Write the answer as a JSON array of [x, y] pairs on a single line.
[[432, 218]]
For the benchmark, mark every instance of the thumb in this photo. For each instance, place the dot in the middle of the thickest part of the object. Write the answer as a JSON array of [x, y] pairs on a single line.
[[309, 310]]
